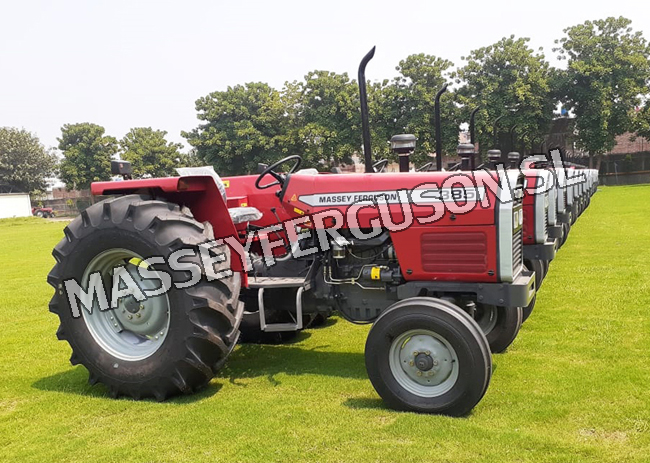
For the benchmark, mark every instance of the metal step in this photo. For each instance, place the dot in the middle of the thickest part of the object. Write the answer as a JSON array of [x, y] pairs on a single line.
[[275, 327], [276, 282]]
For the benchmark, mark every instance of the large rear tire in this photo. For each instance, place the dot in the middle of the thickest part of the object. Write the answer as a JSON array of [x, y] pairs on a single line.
[[167, 344], [427, 355]]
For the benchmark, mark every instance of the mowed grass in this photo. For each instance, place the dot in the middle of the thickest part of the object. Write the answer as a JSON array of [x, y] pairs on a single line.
[[575, 385]]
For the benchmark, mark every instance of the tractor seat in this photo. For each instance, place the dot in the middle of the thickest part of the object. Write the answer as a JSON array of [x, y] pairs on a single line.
[[244, 214]]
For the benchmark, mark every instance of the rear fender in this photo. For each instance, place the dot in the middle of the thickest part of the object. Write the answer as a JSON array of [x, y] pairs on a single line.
[[199, 193]]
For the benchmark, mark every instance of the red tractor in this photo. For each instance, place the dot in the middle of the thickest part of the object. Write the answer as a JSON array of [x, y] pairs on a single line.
[[434, 260], [44, 212]]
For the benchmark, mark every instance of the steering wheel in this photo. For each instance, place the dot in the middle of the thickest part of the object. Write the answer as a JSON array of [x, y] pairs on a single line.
[[280, 179], [379, 166]]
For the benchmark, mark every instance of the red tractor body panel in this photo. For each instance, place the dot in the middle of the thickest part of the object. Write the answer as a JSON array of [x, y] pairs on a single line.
[[199, 193], [460, 245], [529, 207]]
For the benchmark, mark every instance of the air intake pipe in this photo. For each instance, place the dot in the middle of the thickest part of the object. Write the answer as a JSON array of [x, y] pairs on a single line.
[[466, 153], [403, 145], [513, 159]]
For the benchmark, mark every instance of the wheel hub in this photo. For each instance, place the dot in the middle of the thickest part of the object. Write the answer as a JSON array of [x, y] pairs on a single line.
[[134, 330], [148, 317], [426, 360], [130, 304]]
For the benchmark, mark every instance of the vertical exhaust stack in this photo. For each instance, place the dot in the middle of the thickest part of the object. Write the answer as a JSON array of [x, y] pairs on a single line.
[[512, 139], [495, 140], [403, 145], [522, 149], [472, 138], [363, 96], [436, 112]]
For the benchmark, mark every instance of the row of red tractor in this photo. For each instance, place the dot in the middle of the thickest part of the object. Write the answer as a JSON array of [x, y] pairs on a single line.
[[441, 295]]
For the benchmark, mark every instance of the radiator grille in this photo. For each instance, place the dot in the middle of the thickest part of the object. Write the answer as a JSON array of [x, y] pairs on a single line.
[[454, 252], [518, 240], [518, 250]]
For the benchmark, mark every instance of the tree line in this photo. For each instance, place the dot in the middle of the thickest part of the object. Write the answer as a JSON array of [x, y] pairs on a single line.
[[25, 163], [603, 84]]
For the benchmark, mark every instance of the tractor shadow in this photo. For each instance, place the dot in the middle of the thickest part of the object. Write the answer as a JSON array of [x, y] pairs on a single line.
[[74, 381], [262, 360], [366, 403], [247, 361]]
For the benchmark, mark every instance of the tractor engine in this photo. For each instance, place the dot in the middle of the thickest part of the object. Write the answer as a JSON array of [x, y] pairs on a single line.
[[363, 276]]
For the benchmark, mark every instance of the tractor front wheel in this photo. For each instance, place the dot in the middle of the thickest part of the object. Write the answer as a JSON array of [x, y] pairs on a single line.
[[536, 266], [427, 355], [566, 228], [529, 308], [500, 325]]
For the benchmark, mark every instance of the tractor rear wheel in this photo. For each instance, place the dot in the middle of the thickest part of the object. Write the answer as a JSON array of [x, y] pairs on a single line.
[[427, 355], [500, 325], [166, 344]]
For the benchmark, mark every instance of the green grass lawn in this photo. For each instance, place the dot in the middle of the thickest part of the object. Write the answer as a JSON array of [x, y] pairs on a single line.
[[574, 386]]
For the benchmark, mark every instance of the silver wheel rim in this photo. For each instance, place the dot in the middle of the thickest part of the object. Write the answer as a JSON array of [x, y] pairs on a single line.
[[423, 363], [134, 330], [487, 318]]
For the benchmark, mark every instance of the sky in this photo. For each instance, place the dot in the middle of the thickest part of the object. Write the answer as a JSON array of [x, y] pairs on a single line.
[[124, 64]]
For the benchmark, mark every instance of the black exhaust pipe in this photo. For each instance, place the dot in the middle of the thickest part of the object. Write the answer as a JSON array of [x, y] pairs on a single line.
[[472, 138], [436, 113], [495, 137], [522, 149], [363, 96]]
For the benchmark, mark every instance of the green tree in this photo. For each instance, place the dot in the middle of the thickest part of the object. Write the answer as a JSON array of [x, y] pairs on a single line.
[[87, 154], [242, 126], [642, 121], [408, 101], [507, 80], [24, 161], [326, 118], [150, 153], [189, 159], [607, 72]]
